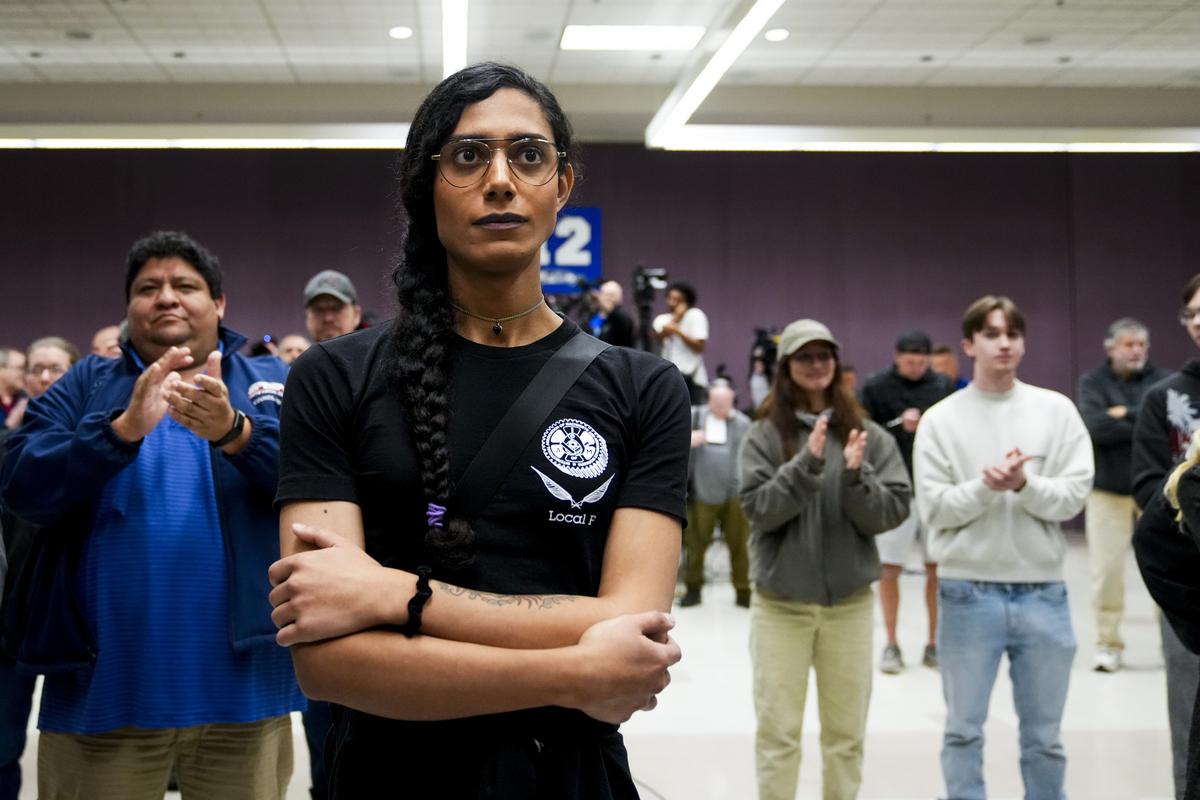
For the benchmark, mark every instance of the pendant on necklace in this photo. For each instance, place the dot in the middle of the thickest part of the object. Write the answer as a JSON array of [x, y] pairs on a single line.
[[497, 329]]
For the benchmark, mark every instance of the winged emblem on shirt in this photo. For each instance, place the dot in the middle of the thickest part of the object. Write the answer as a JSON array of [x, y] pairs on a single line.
[[563, 494], [1183, 419]]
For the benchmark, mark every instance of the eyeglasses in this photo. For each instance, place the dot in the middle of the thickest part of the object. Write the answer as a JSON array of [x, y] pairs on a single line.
[[814, 356], [463, 162], [1187, 315], [54, 369]]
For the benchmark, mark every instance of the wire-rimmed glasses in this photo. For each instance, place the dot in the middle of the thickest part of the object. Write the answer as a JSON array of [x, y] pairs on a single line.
[[464, 162]]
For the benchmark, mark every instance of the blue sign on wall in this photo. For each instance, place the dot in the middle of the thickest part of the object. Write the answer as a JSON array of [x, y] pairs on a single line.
[[573, 252]]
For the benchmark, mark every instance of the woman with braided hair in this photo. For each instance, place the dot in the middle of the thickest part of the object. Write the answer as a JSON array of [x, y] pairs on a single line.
[[490, 656]]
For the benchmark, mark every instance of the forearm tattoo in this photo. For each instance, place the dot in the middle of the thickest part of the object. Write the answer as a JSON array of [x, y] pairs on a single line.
[[525, 600]]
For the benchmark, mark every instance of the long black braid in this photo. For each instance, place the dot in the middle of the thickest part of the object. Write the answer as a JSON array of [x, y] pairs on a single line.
[[423, 332]]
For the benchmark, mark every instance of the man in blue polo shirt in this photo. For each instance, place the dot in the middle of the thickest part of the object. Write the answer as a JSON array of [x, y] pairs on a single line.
[[164, 463]]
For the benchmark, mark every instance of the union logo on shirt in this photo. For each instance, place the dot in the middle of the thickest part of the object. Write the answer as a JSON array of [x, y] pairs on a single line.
[[575, 448], [263, 391], [581, 518]]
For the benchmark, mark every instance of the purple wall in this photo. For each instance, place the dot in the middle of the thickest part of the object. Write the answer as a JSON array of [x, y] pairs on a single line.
[[871, 244]]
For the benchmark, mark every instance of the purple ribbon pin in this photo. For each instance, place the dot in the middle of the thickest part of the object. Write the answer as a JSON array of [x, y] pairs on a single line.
[[434, 514]]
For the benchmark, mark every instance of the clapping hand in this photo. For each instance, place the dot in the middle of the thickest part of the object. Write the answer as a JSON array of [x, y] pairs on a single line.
[[1009, 474], [816, 439], [148, 403], [856, 446], [203, 406]]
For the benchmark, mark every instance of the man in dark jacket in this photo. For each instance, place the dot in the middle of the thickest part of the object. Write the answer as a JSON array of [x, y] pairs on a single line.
[[48, 360], [896, 398], [164, 463], [1166, 419], [609, 323], [1108, 399]]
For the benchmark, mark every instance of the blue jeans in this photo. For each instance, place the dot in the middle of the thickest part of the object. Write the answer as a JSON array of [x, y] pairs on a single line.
[[981, 621], [16, 697]]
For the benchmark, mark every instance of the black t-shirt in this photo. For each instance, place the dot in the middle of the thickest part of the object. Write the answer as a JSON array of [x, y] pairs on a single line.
[[618, 438]]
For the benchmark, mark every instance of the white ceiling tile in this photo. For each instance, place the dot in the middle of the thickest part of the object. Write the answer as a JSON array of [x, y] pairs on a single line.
[[838, 42]]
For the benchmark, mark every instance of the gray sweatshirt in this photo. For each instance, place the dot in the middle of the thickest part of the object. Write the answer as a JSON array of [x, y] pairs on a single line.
[[813, 522]]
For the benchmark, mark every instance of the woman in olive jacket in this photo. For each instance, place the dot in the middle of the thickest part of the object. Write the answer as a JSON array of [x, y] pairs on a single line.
[[818, 481]]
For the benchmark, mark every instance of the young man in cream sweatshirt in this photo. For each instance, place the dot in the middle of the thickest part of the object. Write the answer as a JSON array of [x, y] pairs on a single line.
[[998, 466]]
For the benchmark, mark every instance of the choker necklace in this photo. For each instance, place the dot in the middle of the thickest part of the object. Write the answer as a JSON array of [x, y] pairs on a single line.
[[497, 328]]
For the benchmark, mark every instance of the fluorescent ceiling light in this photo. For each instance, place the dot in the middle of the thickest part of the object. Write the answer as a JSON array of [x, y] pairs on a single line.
[[1001, 147], [368, 136], [100, 144], [401, 32], [1133, 147], [680, 105], [777, 34], [201, 144], [798, 138], [356, 144], [867, 147], [631, 37], [454, 36]]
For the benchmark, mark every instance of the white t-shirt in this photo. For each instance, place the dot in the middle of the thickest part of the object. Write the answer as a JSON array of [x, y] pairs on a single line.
[[695, 324]]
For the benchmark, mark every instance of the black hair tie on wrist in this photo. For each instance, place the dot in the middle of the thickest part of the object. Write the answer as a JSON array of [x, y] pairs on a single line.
[[417, 604]]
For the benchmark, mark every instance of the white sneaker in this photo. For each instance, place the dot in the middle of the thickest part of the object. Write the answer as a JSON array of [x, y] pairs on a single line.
[[891, 662], [1108, 660]]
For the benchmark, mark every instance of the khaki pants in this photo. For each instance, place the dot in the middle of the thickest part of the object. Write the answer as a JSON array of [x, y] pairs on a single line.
[[735, 530], [1110, 520], [786, 639], [240, 761]]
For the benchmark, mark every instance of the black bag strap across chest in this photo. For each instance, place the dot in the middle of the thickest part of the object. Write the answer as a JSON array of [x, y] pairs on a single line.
[[495, 460]]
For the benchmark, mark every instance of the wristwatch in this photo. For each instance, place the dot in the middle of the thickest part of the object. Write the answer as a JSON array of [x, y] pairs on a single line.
[[239, 425]]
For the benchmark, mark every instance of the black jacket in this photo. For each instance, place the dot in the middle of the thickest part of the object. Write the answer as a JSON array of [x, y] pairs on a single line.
[[888, 393], [1169, 560], [18, 535], [1112, 439], [1186, 619], [1169, 412], [617, 329]]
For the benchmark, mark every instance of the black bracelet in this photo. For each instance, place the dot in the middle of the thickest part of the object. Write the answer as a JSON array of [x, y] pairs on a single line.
[[417, 604]]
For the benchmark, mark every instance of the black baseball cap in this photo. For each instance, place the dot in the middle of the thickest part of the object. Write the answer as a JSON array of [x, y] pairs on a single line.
[[914, 342]]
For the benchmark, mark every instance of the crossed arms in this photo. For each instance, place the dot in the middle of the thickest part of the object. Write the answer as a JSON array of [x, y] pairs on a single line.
[[478, 653]]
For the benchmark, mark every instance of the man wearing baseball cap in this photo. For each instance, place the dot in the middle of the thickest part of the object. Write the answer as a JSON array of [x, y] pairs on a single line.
[[330, 305], [896, 398], [330, 309]]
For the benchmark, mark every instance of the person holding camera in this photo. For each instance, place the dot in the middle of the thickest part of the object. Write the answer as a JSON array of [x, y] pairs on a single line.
[[683, 331]]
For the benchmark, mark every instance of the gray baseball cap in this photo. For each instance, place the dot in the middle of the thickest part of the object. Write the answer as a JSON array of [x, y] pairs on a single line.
[[800, 333], [332, 283]]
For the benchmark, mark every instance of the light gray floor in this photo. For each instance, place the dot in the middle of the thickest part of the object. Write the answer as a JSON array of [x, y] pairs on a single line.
[[699, 743]]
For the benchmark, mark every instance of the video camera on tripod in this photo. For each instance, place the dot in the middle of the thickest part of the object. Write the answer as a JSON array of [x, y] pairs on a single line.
[[647, 281]]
